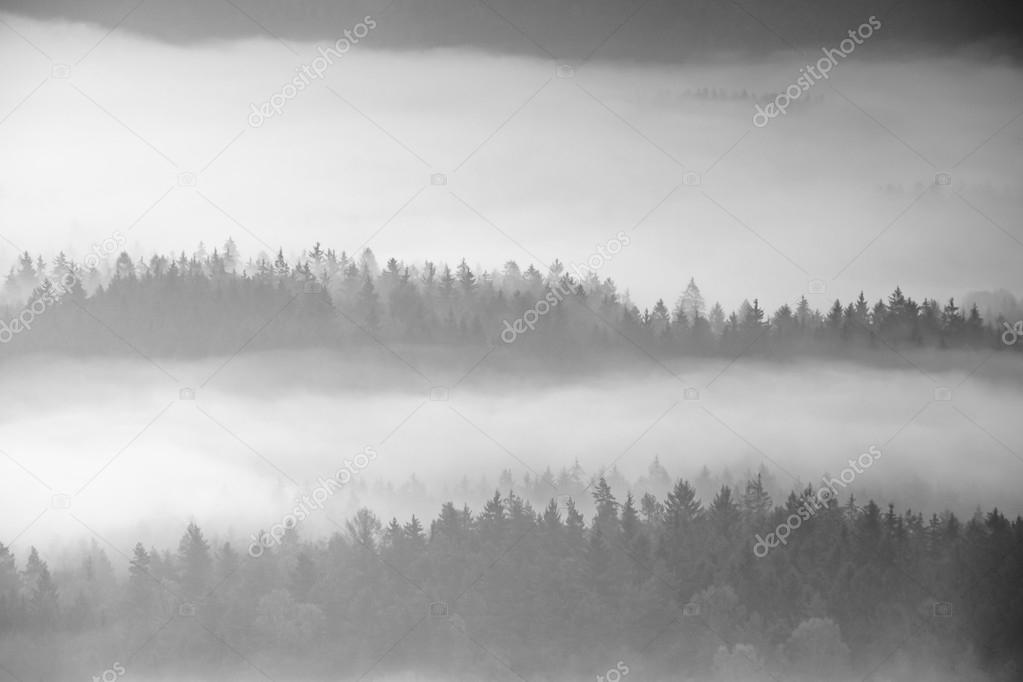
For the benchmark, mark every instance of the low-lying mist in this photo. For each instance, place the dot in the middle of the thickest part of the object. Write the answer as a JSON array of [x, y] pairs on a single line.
[[137, 461]]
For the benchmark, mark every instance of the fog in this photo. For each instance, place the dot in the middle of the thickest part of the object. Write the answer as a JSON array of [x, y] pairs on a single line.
[[901, 169], [813, 194], [139, 462]]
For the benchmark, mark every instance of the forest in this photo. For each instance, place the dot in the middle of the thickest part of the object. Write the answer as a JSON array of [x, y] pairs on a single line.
[[663, 586], [212, 303]]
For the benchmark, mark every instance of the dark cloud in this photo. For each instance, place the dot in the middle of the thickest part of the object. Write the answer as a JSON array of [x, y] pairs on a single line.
[[642, 30]]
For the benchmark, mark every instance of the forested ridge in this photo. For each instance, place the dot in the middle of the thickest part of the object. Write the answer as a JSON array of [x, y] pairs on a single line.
[[667, 585], [213, 303]]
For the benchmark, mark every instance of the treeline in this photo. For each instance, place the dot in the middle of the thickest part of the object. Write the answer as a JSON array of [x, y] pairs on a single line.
[[667, 585], [212, 303]]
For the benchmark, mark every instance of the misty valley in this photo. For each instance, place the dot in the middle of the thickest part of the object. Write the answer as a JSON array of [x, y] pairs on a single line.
[[372, 477], [511, 340]]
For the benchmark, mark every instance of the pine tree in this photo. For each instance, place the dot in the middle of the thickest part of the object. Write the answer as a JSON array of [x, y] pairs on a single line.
[[195, 562], [10, 582], [45, 600], [681, 507], [607, 508], [653, 510], [716, 319], [630, 520], [574, 522], [492, 518], [756, 503], [466, 279], [33, 570], [724, 513], [141, 583], [691, 302], [367, 312]]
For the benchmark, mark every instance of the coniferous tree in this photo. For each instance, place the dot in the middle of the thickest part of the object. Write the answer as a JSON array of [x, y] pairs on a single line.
[[195, 561]]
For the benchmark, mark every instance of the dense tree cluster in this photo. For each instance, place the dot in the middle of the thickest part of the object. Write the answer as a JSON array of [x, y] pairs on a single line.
[[666, 584], [212, 303]]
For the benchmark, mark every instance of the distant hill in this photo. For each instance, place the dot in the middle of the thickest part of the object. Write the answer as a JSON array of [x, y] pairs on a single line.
[[641, 30]]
